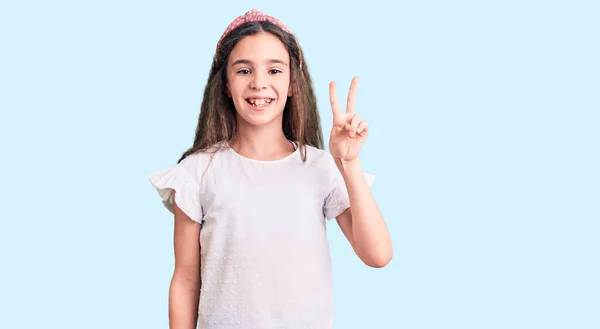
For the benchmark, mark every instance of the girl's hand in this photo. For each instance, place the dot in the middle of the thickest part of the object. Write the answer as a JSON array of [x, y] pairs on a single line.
[[349, 131]]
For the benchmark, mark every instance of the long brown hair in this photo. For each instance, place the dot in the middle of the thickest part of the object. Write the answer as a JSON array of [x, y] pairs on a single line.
[[217, 120]]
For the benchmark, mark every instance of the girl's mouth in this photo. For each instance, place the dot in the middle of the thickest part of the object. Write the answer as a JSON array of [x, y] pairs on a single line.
[[259, 103]]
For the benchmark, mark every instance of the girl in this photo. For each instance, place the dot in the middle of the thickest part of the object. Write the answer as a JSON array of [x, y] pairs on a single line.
[[252, 196]]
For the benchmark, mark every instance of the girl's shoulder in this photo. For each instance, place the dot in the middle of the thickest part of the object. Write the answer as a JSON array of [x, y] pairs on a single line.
[[190, 167], [323, 163], [204, 155], [316, 157]]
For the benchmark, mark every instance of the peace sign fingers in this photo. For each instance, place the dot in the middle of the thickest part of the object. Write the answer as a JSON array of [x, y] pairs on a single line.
[[338, 116], [349, 131]]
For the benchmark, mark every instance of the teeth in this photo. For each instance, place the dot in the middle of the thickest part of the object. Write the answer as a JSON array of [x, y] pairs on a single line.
[[259, 101]]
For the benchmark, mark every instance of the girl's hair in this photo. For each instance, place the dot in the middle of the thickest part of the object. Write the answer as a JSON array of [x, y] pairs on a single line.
[[217, 119]]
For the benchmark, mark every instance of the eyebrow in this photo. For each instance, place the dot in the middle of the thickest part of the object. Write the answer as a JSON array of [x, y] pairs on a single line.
[[249, 62]]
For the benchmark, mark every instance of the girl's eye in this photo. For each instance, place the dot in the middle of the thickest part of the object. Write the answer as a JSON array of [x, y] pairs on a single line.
[[245, 71]]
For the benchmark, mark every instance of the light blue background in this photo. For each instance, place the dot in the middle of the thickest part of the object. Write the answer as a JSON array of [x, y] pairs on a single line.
[[484, 136]]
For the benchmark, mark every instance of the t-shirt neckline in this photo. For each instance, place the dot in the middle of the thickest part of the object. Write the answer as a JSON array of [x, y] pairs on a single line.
[[286, 158]]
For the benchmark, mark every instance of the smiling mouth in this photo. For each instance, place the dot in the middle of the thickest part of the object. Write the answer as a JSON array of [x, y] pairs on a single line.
[[259, 103]]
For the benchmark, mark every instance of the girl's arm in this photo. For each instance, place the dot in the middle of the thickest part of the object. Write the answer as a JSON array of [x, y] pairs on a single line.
[[363, 224], [185, 284]]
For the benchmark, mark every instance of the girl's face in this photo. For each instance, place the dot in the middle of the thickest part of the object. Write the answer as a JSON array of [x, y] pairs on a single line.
[[258, 78]]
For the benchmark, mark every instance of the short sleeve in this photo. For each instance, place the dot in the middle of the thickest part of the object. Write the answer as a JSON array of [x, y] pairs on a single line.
[[184, 179], [337, 200]]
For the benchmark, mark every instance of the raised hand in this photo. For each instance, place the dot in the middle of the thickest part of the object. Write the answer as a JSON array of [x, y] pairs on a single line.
[[349, 131]]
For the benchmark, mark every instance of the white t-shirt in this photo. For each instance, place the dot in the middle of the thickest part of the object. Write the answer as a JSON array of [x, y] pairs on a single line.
[[265, 260]]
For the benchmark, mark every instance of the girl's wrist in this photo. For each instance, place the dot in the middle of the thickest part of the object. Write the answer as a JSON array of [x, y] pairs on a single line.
[[347, 168]]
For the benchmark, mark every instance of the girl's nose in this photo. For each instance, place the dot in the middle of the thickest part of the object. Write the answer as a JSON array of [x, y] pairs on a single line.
[[259, 82]]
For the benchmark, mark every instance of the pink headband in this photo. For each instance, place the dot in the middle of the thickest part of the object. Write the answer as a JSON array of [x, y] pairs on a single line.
[[254, 16]]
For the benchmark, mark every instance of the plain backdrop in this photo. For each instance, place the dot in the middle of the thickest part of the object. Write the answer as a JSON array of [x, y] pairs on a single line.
[[484, 136]]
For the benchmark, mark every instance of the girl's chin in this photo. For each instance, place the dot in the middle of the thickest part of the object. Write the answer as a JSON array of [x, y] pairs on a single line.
[[260, 118]]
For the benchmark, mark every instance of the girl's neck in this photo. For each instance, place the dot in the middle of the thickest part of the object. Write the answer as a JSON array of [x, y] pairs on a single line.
[[261, 143]]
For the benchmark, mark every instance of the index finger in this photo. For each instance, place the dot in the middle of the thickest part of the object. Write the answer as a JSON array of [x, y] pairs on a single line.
[[352, 96]]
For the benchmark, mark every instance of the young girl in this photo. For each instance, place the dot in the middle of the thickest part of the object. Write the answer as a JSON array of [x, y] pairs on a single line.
[[252, 196]]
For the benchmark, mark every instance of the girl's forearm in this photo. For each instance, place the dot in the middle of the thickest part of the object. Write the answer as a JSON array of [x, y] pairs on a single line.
[[183, 303], [369, 230]]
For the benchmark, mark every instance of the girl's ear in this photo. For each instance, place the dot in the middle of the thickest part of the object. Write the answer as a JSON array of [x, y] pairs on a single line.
[[290, 90], [227, 90]]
